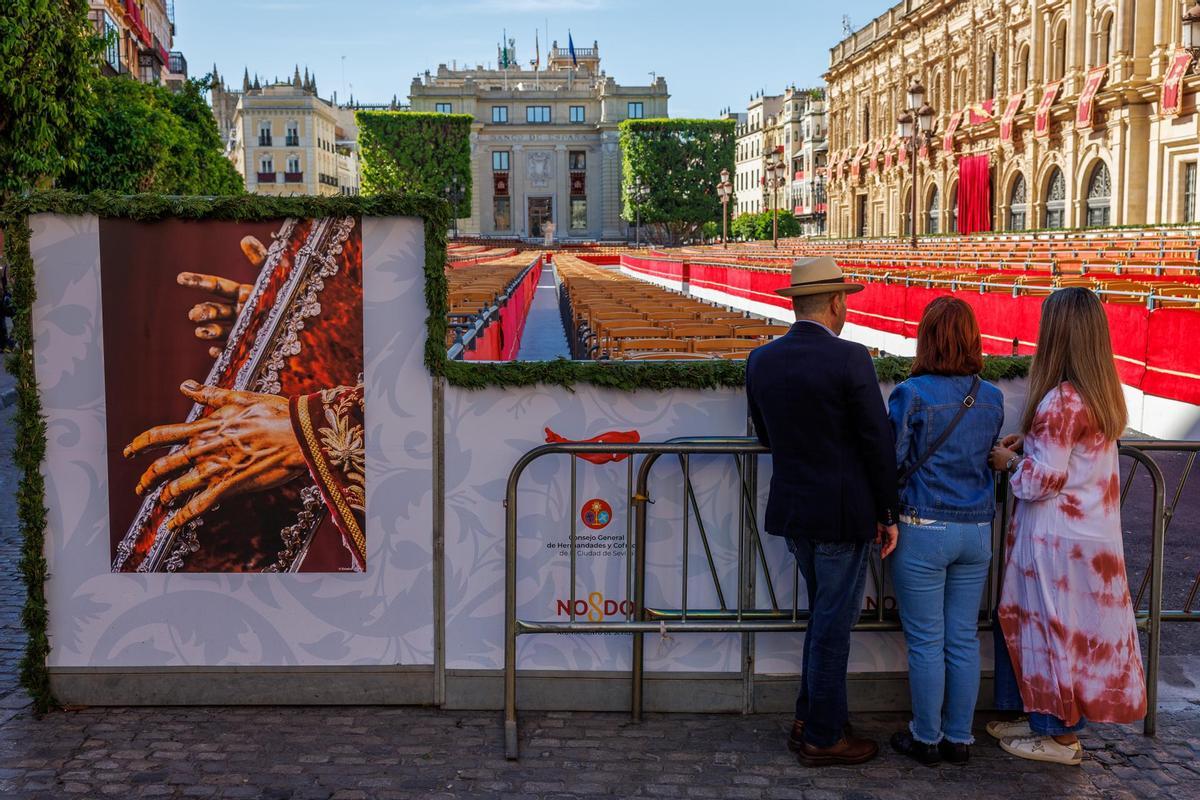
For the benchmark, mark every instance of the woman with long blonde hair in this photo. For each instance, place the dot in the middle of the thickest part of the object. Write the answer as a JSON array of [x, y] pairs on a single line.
[[1065, 609]]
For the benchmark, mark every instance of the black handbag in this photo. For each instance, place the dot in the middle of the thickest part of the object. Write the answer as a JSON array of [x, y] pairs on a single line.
[[967, 402]]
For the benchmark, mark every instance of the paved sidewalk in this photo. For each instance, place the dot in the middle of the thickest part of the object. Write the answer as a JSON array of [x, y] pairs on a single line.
[[543, 338], [379, 752]]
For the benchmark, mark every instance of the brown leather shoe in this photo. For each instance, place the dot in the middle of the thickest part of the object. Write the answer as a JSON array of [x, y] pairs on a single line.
[[847, 751], [796, 735]]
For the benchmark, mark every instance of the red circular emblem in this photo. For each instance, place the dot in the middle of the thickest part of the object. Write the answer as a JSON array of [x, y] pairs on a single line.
[[596, 514]]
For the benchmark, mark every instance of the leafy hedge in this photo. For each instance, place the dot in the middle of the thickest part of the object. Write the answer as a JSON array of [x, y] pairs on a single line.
[[679, 162], [415, 152]]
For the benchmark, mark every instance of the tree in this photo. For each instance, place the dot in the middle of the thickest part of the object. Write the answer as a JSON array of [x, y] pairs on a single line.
[[412, 151], [758, 226], [146, 139], [49, 59], [679, 163]]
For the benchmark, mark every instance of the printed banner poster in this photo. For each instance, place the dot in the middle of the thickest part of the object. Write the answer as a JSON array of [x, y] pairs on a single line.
[[233, 368], [1010, 112]]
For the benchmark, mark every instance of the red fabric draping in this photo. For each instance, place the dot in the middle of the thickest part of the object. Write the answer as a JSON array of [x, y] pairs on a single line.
[[1087, 98], [1041, 121], [501, 340], [1172, 90], [951, 127], [1010, 112], [1155, 350], [974, 194]]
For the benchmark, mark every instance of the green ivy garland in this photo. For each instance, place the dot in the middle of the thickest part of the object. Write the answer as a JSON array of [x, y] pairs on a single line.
[[31, 427]]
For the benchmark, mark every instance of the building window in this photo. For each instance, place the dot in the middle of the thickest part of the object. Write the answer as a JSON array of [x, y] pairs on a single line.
[[1104, 48], [578, 214], [1056, 200], [636, 111], [1017, 205], [112, 43], [1023, 68], [293, 134], [267, 164], [500, 161], [1099, 197], [933, 215], [501, 213], [293, 163], [499, 114], [1058, 55], [866, 118], [1189, 192], [264, 133], [577, 114], [537, 113], [953, 209], [577, 159], [442, 108]]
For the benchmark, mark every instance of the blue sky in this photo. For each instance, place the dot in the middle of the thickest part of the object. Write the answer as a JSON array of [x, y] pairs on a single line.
[[710, 56]]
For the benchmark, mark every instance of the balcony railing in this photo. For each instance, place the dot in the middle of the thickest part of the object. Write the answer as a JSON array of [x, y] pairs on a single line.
[[292, 141], [293, 177], [268, 177], [177, 63], [264, 141]]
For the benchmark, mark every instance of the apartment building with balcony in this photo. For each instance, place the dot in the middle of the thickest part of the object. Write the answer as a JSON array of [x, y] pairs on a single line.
[[139, 36], [285, 139]]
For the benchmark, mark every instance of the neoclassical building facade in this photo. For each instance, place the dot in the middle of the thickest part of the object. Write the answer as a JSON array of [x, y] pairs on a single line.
[[1084, 109]]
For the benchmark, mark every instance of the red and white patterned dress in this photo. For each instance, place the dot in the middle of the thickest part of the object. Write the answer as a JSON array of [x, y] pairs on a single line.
[[1065, 608]]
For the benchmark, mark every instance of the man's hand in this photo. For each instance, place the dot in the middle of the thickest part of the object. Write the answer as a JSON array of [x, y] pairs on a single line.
[[1000, 457], [214, 318], [887, 537], [246, 445]]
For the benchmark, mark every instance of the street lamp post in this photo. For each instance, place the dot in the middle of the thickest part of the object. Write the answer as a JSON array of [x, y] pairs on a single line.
[[454, 195], [915, 122], [725, 193], [775, 169]]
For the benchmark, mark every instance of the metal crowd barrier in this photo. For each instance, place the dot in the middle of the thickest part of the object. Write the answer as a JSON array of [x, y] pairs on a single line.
[[743, 615]]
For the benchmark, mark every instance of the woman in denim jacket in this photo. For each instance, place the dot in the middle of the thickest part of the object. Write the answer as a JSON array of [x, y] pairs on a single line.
[[947, 503]]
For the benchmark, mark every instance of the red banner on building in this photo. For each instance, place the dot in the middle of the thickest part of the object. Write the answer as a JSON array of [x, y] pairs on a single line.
[[1087, 98], [982, 112], [856, 162], [873, 163], [1041, 121], [1010, 113], [888, 151], [951, 127], [1172, 91], [902, 154]]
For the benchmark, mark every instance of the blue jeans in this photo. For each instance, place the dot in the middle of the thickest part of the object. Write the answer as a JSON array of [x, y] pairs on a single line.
[[1008, 694], [939, 571], [835, 574]]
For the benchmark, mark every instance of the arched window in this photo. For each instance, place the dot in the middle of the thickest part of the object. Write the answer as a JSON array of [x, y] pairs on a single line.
[[933, 214], [866, 119], [1058, 55], [1106, 44], [1056, 200], [1023, 68], [1017, 205], [1099, 196], [992, 76]]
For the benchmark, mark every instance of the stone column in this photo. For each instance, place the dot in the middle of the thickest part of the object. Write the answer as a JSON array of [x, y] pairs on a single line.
[[562, 193], [516, 190]]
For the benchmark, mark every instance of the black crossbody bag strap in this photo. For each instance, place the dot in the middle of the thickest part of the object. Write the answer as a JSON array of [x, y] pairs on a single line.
[[967, 402]]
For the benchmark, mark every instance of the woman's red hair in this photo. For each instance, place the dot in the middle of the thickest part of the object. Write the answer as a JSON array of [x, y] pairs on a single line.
[[948, 340]]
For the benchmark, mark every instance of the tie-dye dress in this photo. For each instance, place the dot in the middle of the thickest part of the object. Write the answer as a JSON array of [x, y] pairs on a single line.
[[1065, 609]]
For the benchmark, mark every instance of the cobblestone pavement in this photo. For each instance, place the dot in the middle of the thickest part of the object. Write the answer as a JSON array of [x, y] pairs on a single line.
[[377, 752]]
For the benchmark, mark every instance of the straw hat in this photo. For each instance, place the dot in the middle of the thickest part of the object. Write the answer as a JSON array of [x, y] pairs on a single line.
[[817, 276]]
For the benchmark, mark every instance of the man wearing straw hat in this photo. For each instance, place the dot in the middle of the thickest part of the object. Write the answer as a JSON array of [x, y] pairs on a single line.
[[815, 402]]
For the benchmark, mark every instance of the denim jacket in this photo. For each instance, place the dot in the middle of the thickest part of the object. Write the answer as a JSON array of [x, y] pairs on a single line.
[[955, 483]]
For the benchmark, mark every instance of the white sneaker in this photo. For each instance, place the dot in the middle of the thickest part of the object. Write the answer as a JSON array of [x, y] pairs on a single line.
[[999, 728], [1043, 748]]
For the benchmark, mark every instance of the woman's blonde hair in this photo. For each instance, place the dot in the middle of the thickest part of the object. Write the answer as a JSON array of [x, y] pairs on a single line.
[[1074, 346]]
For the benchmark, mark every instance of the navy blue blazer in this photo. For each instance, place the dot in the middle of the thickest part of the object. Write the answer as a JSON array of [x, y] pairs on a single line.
[[815, 402]]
